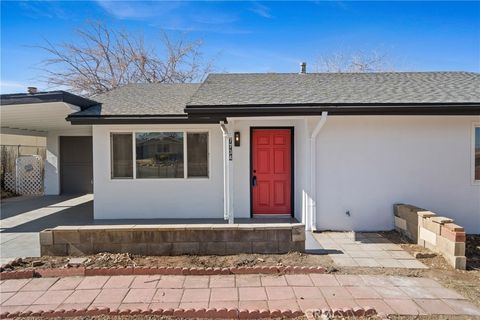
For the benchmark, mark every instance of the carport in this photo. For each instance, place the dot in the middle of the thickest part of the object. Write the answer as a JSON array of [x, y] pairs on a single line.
[[68, 165]]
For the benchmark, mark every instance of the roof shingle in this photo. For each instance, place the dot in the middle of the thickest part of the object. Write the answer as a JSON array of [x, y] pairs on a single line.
[[143, 99], [337, 88]]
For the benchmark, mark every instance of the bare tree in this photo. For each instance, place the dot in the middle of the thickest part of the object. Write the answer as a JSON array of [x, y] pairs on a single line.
[[355, 62], [101, 59]]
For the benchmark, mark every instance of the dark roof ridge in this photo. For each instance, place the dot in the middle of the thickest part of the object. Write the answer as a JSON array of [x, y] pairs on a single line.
[[345, 73], [158, 83]]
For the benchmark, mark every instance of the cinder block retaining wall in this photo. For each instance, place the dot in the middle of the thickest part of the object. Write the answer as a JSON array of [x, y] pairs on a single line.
[[436, 233], [406, 220], [205, 239]]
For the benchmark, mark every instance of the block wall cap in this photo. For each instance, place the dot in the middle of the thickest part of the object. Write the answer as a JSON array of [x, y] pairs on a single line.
[[174, 227], [441, 220], [453, 227], [426, 214]]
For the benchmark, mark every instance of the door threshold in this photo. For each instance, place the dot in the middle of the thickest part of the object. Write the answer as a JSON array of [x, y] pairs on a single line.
[[269, 216]]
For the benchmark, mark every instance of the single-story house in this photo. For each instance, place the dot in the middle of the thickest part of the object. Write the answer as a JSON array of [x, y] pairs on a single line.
[[333, 150]]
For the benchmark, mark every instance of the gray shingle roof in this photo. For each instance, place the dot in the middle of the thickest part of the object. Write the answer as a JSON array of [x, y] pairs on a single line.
[[230, 90], [338, 88], [143, 99]]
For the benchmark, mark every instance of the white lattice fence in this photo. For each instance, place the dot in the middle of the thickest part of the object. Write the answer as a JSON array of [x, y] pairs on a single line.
[[10, 181], [29, 175]]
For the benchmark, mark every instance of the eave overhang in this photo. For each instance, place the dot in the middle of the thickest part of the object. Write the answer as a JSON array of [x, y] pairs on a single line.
[[141, 119], [47, 97], [345, 109], [35, 118]]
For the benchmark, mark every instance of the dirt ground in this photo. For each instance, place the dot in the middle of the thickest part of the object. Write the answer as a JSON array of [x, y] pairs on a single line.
[[432, 317], [124, 259], [5, 194], [436, 263], [137, 317]]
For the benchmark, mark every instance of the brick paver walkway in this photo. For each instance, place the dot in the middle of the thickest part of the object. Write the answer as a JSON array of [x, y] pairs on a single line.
[[364, 249], [387, 295]]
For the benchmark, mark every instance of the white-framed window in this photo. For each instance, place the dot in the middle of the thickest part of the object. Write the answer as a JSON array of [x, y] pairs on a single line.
[[476, 153], [173, 154], [121, 156]]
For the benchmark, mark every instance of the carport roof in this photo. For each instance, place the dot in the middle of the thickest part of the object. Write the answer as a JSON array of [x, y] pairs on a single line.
[[46, 97], [36, 114]]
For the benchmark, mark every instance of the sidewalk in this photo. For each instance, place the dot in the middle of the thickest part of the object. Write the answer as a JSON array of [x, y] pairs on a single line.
[[401, 295], [365, 249]]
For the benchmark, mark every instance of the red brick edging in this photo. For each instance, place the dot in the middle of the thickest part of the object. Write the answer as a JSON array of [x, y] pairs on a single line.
[[116, 271], [195, 313]]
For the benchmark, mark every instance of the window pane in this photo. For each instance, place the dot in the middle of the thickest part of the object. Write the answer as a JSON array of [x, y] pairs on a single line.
[[122, 158], [197, 153], [477, 153], [159, 154]]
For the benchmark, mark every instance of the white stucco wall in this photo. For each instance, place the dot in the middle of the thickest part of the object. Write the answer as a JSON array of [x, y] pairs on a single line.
[[156, 198], [365, 164], [52, 163]]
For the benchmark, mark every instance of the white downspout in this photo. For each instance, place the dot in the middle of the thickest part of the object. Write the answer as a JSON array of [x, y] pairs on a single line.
[[226, 175], [312, 212]]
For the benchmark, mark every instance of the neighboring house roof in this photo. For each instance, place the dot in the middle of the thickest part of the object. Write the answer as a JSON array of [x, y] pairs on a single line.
[[234, 94], [45, 97], [153, 102]]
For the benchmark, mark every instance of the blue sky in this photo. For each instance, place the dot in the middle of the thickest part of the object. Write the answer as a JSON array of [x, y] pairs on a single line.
[[255, 36]]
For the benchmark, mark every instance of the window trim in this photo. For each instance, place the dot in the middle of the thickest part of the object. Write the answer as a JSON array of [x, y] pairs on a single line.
[[111, 157], [185, 155], [475, 182]]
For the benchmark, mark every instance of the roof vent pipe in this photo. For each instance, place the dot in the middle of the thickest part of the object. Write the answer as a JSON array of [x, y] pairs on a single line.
[[303, 67], [32, 90]]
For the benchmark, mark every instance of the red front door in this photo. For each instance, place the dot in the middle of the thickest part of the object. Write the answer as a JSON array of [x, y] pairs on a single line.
[[271, 171]]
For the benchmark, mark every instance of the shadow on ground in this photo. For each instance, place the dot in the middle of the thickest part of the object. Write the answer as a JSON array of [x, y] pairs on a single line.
[[14, 206]]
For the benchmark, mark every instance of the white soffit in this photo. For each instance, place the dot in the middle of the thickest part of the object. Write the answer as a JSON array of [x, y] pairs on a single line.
[[36, 117]]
